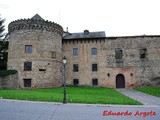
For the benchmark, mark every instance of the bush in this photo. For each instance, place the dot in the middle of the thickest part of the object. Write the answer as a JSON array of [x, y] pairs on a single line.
[[7, 72]]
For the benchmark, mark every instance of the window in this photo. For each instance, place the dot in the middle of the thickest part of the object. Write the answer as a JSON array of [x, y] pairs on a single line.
[[28, 48], [94, 81], [75, 51], [27, 82], [94, 67], [75, 82], [27, 66], [42, 69], [75, 67], [94, 51], [53, 54], [143, 53], [108, 74], [118, 54]]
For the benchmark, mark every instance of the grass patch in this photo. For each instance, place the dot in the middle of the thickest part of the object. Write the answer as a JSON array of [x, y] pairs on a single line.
[[74, 95], [155, 91]]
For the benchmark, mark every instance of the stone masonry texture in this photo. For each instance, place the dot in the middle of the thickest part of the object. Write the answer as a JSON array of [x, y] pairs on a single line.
[[9, 82], [49, 46], [46, 56], [137, 71]]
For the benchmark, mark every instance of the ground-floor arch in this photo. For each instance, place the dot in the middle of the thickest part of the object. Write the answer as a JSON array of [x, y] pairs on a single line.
[[120, 81]]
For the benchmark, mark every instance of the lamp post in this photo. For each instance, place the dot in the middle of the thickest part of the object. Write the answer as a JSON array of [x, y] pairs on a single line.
[[64, 64], [1, 56], [1, 60]]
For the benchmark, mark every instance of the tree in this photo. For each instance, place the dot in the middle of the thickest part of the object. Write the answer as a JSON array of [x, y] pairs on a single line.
[[2, 28], [3, 46]]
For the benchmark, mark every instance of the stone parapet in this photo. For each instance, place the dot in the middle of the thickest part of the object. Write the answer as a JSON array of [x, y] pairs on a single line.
[[33, 24]]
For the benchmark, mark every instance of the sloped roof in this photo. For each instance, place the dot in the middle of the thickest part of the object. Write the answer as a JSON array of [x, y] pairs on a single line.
[[100, 34], [37, 17]]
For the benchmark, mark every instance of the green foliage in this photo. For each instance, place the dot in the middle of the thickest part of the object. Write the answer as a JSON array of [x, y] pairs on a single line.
[[155, 91], [74, 95], [3, 46], [7, 72], [4, 54], [1, 27]]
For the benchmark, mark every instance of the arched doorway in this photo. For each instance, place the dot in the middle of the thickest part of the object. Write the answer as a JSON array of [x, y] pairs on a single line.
[[120, 81]]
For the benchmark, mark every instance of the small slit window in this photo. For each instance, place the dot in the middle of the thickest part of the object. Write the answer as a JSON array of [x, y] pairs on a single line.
[[42, 69]]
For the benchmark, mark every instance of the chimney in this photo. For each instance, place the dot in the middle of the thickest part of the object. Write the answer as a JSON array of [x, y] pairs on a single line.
[[86, 32]]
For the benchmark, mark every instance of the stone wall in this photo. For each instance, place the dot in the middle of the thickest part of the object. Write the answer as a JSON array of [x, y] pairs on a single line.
[[46, 56], [9, 82], [47, 51], [137, 71]]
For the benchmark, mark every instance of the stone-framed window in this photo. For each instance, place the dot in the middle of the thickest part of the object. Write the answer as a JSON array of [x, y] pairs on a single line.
[[53, 54], [27, 66], [118, 54], [94, 51], [143, 53], [94, 67], [75, 52], [28, 48], [75, 67], [94, 81], [27, 82], [75, 82]]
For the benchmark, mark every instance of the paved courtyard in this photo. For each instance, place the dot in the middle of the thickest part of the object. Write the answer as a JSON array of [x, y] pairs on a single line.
[[26, 110], [145, 99]]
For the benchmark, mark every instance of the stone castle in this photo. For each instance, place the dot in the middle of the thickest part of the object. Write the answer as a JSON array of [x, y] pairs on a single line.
[[36, 49]]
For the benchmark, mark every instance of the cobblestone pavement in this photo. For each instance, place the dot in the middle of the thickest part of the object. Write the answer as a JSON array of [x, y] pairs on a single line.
[[145, 99]]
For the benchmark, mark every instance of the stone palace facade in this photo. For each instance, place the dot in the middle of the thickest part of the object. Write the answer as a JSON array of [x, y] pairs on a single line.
[[37, 46]]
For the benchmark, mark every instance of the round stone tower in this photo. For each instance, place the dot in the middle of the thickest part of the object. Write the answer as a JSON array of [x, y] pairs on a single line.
[[35, 51]]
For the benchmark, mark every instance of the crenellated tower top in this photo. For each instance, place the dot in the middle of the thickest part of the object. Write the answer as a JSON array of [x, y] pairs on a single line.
[[35, 23]]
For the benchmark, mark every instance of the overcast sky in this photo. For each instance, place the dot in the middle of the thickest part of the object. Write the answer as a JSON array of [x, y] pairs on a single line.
[[115, 17]]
